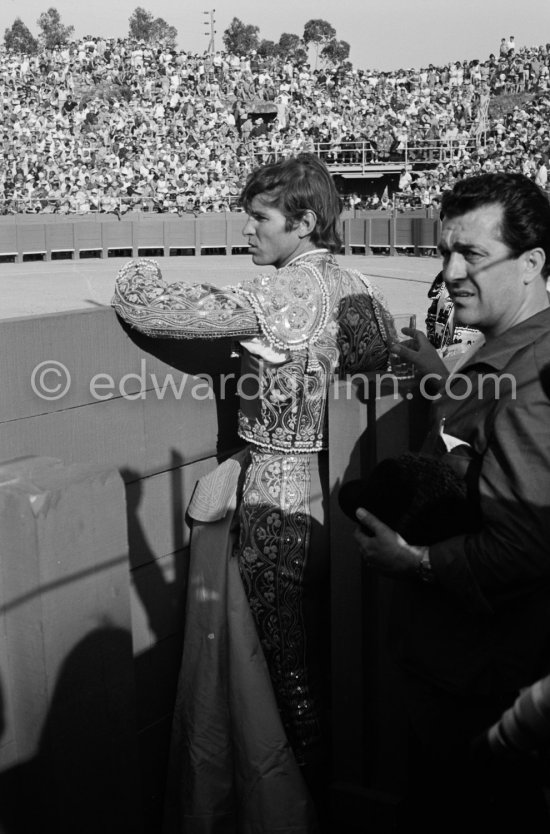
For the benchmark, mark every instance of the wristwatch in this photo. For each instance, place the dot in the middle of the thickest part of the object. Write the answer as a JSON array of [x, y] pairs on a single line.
[[424, 567]]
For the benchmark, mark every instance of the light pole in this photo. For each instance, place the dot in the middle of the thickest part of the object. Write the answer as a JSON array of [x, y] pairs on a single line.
[[211, 44]]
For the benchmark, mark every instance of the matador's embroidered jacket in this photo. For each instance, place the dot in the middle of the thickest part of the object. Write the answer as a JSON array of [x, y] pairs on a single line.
[[298, 327]]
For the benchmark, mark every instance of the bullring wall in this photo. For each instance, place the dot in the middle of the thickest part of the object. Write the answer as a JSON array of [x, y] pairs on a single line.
[[159, 445], [49, 236]]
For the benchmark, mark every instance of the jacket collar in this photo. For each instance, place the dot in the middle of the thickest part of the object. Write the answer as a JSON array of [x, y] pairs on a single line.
[[498, 352]]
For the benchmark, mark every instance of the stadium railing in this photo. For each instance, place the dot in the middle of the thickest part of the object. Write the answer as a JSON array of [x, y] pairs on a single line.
[[360, 157]]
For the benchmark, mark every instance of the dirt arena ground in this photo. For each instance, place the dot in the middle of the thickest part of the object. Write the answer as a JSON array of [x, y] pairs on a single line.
[[37, 288]]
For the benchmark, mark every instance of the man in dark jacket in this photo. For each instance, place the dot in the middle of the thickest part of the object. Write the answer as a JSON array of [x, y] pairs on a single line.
[[471, 619]]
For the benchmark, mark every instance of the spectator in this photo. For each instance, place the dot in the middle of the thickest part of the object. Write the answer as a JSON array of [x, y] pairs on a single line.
[[523, 728], [123, 104], [405, 180], [470, 620], [541, 177]]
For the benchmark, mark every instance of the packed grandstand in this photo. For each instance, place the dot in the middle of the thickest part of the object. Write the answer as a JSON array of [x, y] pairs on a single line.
[[112, 125]]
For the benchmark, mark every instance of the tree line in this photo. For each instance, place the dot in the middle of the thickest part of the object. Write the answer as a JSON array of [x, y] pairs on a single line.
[[239, 38]]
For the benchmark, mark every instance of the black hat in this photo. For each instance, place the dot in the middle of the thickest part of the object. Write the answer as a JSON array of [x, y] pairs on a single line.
[[421, 497]]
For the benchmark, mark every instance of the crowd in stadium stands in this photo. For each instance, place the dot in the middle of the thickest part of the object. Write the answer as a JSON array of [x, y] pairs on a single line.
[[111, 125]]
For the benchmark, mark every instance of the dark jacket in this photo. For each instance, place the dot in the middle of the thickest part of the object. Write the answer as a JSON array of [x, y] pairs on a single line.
[[484, 625]]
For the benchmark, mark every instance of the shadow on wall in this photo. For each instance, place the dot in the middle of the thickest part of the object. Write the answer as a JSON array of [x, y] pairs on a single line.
[[82, 777], [211, 357], [157, 669], [162, 599]]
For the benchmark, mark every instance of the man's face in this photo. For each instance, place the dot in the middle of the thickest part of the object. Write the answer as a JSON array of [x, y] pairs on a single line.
[[270, 242], [483, 279]]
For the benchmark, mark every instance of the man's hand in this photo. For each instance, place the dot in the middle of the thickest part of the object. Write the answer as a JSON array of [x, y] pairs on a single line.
[[383, 549], [421, 353]]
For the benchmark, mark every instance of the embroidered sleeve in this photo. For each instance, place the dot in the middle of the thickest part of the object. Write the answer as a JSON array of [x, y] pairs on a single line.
[[365, 328], [179, 310]]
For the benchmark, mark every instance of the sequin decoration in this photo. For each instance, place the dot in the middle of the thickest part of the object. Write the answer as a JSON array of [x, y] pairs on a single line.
[[179, 310], [274, 543], [327, 319], [344, 330]]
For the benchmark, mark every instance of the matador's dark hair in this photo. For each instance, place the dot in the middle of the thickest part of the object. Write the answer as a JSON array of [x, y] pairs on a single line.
[[294, 186]]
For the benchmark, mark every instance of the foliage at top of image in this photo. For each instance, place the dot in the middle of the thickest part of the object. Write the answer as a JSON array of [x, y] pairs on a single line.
[[18, 38], [239, 38], [144, 27], [53, 32]]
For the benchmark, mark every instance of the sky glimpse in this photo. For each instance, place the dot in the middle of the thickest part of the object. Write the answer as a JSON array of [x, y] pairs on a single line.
[[390, 35]]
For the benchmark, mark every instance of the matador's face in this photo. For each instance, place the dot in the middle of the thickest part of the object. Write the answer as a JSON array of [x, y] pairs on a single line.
[[271, 243]]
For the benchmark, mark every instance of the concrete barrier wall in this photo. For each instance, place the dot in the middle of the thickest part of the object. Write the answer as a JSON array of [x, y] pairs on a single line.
[[68, 740], [159, 444]]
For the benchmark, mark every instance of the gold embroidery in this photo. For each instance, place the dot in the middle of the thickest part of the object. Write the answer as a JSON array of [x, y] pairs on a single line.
[[273, 550]]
